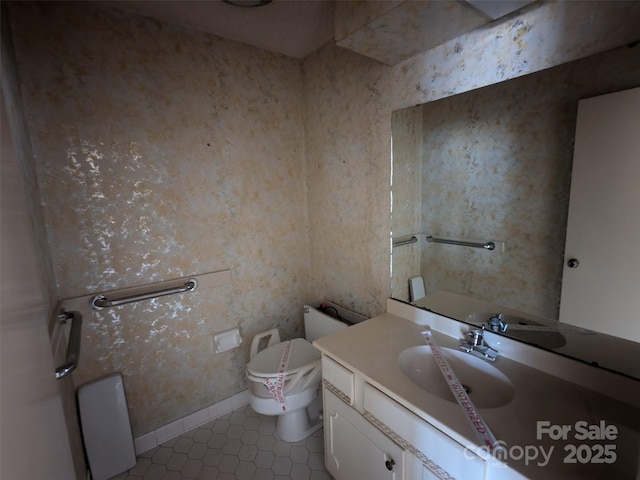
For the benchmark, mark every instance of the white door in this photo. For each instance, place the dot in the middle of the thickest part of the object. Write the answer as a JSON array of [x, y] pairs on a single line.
[[601, 280], [35, 443]]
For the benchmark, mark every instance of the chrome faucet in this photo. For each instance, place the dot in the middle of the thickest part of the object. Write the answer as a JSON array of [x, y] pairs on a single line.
[[475, 344]]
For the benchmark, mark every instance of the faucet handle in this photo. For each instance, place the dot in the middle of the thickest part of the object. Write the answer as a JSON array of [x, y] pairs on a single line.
[[476, 336], [496, 324]]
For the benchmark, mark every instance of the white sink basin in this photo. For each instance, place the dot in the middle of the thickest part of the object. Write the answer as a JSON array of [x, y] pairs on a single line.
[[486, 386]]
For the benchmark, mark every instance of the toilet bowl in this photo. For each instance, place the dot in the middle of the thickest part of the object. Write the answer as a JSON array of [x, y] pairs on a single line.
[[285, 377]]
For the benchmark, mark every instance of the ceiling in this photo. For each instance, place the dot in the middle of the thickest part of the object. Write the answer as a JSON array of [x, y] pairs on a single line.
[[294, 28], [298, 27]]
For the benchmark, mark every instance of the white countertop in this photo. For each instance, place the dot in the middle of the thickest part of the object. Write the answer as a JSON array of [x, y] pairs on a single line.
[[371, 349]]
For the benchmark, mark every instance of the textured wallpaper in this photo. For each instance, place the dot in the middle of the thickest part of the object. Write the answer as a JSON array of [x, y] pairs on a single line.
[[163, 152], [399, 33], [347, 143]]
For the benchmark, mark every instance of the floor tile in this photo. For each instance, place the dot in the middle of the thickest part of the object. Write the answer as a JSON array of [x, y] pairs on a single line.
[[240, 445]]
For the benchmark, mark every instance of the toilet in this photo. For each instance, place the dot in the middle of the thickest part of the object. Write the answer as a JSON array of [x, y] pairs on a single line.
[[285, 377]]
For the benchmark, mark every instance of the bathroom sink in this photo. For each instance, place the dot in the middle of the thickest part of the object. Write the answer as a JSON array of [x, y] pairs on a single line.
[[486, 386], [543, 339]]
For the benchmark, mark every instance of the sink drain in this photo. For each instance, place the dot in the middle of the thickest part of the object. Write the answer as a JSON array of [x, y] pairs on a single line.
[[466, 388]]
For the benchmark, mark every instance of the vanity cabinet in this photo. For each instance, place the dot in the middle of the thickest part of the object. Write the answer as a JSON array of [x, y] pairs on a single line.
[[370, 435], [356, 449], [374, 413]]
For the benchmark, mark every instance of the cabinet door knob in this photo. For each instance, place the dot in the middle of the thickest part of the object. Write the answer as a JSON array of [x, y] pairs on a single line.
[[389, 464], [573, 263]]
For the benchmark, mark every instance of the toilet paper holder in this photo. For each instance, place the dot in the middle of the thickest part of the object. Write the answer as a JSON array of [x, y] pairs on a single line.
[[226, 340]]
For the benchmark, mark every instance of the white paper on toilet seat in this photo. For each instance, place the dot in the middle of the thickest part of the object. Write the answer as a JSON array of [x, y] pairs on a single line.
[[277, 388]]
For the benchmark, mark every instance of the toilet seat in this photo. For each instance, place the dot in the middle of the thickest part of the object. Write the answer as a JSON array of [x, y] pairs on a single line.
[[266, 364]]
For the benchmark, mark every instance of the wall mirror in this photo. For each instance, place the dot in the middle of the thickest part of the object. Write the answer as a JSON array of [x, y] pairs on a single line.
[[494, 165]]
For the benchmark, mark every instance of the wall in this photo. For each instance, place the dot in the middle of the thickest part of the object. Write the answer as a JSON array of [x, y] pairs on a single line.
[[164, 153], [347, 141], [391, 31]]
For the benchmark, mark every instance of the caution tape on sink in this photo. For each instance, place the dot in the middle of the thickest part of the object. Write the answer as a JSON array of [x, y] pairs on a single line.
[[478, 425]]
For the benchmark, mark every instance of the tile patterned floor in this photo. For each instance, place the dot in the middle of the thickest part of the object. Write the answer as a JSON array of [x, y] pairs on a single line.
[[241, 445]]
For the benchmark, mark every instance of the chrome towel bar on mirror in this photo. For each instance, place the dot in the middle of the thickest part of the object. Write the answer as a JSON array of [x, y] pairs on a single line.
[[98, 302], [73, 347], [408, 241], [463, 243]]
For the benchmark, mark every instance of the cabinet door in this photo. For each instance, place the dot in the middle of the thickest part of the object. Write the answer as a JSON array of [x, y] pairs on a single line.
[[416, 470], [602, 263], [355, 449]]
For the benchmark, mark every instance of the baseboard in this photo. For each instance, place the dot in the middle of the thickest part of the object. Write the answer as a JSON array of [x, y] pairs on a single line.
[[171, 430]]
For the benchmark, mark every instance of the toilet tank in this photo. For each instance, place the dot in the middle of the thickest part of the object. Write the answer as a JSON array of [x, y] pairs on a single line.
[[318, 324]]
